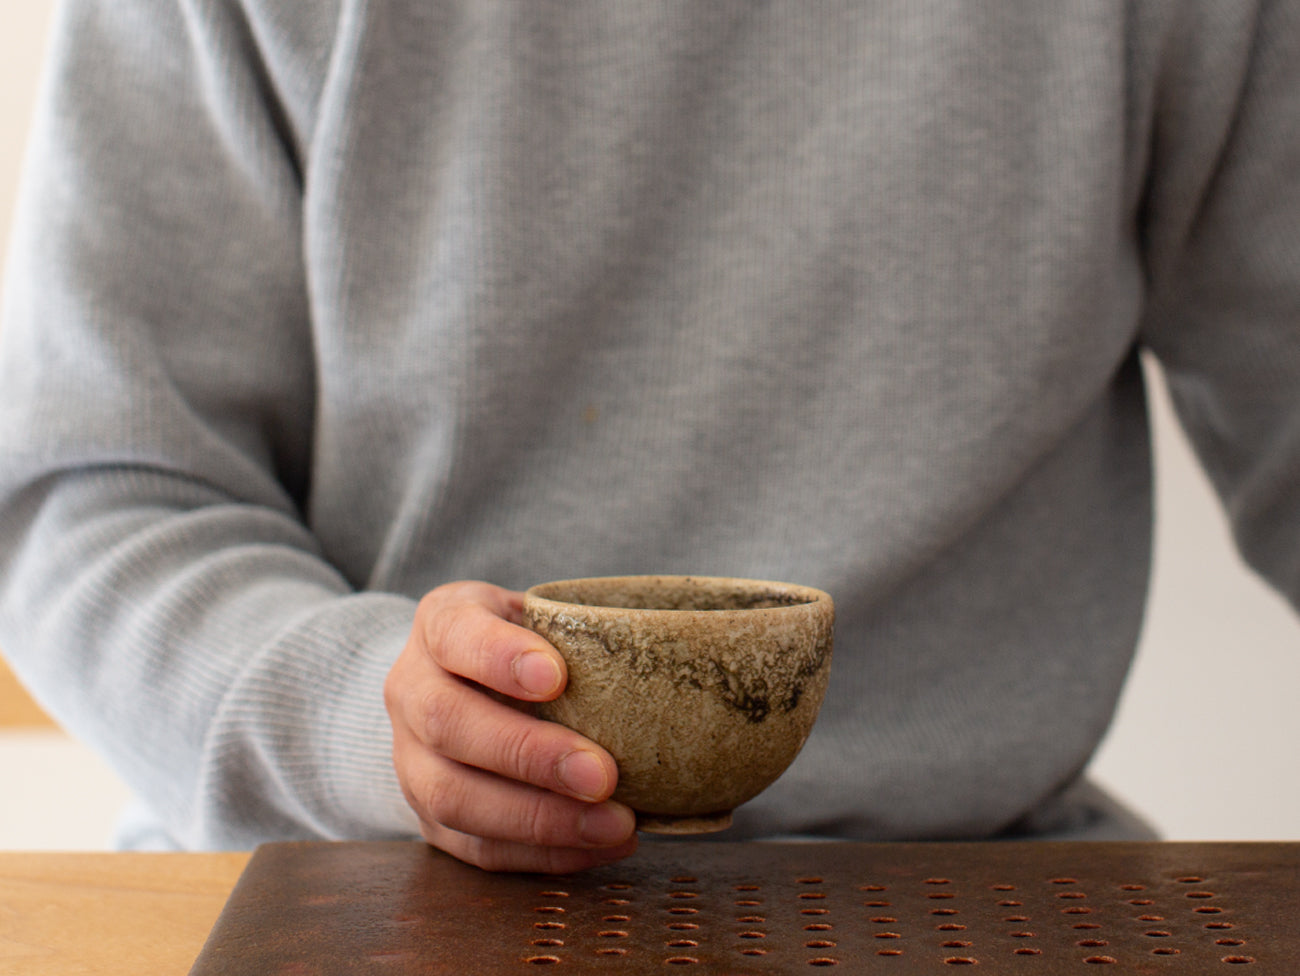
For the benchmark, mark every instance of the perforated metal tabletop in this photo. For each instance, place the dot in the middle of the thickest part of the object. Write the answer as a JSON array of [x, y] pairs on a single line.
[[726, 908]]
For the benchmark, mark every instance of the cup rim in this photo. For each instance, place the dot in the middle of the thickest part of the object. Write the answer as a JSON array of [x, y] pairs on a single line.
[[792, 596]]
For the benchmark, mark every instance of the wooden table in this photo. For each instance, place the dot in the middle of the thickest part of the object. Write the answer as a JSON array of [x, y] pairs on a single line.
[[64, 913], [17, 710]]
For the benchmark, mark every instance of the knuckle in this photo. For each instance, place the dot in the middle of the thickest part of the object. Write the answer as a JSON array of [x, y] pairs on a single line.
[[458, 633], [433, 615], [525, 753], [444, 800], [430, 606], [441, 712], [396, 684], [480, 853], [494, 856], [392, 692], [534, 821], [447, 592], [422, 785], [456, 640], [450, 597], [433, 835], [440, 611], [460, 589]]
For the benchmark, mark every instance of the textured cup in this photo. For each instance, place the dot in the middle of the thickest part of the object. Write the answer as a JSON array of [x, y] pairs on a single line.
[[703, 689]]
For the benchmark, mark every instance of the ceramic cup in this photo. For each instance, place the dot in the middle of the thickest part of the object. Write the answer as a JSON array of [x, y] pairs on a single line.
[[703, 689]]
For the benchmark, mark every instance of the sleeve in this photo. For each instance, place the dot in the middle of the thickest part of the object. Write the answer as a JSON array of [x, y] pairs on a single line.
[[1221, 226], [160, 590]]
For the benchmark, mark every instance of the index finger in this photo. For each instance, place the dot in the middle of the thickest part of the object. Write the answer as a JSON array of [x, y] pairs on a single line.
[[474, 630]]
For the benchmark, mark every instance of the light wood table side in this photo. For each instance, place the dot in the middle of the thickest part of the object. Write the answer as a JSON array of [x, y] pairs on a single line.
[[17, 710], [65, 913]]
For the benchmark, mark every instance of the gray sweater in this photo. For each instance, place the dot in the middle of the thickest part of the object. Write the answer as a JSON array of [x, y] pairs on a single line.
[[316, 304]]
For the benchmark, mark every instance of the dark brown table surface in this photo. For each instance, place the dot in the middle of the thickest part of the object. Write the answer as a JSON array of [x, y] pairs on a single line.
[[716, 907]]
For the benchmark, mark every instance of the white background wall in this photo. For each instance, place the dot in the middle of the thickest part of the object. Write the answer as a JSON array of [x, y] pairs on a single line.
[[1205, 741]]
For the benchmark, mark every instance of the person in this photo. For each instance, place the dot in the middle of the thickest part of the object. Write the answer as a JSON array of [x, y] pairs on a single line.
[[329, 327]]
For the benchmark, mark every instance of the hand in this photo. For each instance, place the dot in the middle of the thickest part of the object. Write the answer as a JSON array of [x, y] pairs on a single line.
[[493, 785]]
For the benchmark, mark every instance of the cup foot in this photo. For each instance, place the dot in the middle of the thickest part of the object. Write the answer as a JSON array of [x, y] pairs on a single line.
[[662, 823]]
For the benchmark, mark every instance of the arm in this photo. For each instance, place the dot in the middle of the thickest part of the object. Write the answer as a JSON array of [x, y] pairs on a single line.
[[1222, 232], [160, 586], [162, 593]]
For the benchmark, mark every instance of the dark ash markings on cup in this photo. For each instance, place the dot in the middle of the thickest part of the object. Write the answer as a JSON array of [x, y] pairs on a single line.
[[750, 694], [754, 698], [752, 701]]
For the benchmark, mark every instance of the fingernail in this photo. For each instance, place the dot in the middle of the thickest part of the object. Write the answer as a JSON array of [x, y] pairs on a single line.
[[605, 825], [538, 673], [583, 775]]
